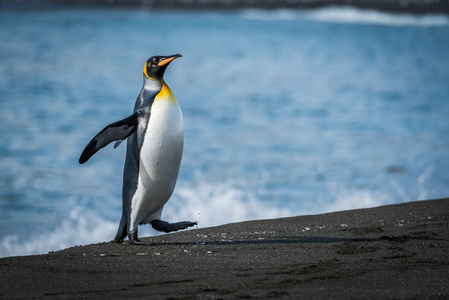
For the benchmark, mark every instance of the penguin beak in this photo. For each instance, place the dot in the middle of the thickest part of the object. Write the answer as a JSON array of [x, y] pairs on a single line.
[[168, 60]]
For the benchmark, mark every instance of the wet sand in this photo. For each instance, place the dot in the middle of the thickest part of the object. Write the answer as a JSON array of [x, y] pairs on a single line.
[[396, 251]]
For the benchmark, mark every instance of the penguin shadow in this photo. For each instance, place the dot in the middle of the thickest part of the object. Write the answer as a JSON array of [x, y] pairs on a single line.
[[261, 241], [288, 240]]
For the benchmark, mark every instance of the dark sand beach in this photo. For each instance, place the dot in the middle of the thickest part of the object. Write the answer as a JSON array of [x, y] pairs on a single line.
[[395, 251]]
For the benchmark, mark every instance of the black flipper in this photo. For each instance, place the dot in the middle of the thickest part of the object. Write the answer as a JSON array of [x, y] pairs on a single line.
[[169, 227], [117, 131]]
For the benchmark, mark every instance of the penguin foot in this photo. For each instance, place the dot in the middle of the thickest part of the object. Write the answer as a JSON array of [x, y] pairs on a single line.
[[169, 227], [133, 240], [136, 242], [119, 238]]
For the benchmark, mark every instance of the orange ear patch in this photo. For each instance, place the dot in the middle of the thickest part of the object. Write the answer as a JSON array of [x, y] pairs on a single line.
[[145, 71]]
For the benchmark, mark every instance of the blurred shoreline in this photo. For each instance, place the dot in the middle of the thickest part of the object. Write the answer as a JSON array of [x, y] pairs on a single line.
[[392, 6]]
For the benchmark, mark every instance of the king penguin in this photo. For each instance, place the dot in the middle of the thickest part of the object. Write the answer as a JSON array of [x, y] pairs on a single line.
[[155, 139]]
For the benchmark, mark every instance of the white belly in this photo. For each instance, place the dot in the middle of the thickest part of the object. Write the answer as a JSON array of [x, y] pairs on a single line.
[[160, 158]]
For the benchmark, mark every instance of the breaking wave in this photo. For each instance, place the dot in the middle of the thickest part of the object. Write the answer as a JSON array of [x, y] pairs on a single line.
[[349, 15]]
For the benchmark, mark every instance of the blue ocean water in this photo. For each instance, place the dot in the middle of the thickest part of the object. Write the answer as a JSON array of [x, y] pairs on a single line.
[[286, 113]]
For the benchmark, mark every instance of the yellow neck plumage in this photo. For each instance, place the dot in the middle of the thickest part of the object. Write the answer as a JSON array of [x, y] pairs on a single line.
[[165, 93]]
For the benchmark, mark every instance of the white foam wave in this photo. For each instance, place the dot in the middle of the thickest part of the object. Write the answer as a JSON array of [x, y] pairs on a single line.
[[346, 199], [212, 205], [353, 15], [350, 15], [209, 204], [82, 227]]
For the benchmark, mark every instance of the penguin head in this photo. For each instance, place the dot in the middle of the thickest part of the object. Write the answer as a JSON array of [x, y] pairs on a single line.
[[156, 65]]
